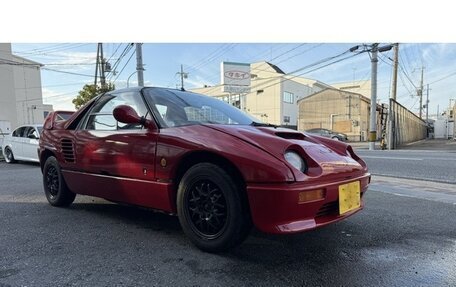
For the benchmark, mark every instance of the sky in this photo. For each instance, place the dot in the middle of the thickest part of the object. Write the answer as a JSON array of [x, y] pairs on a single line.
[[68, 66]]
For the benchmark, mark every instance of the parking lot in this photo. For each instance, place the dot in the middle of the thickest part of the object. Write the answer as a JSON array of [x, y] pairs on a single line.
[[395, 241]]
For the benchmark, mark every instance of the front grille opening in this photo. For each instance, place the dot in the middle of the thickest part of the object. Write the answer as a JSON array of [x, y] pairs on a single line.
[[330, 208]]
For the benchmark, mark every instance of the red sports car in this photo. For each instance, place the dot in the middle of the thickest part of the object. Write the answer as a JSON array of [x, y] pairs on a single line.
[[217, 168]]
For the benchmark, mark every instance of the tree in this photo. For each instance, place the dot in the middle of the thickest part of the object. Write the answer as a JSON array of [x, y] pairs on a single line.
[[89, 92]]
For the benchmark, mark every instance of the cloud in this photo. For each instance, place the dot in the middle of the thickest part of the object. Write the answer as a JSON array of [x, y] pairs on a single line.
[[59, 100], [71, 61]]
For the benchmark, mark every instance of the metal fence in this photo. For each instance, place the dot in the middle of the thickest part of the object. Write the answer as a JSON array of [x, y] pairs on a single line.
[[406, 126]]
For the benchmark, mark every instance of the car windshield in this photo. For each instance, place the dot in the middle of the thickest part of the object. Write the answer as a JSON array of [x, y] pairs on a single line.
[[179, 108]]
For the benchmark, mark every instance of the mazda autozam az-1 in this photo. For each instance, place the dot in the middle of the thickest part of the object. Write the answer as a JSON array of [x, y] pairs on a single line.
[[215, 167]]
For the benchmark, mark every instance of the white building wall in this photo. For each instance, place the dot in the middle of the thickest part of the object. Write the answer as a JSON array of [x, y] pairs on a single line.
[[29, 98], [21, 100], [7, 94], [441, 129], [291, 110]]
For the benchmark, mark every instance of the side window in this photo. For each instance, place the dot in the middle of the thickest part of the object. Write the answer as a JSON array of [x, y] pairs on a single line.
[[19, 132], [28, 131], [101, 117], [33, 132]]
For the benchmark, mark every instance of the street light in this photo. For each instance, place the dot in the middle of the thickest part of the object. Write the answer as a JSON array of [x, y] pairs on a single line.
[[128, 80]]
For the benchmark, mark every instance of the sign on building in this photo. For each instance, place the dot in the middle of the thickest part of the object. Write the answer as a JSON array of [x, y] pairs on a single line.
[[235, 77]]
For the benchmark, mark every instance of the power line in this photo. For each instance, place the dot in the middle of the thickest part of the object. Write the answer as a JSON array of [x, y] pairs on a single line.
[[65, 72], [298, 54], [58, 85], [216, 56], [112, 55], [191, 67], [124, 66], [125, 51], [405, 73], [45, 52], [443, 78], [280, 55], [272, 79], [45, 48], [313, 70]]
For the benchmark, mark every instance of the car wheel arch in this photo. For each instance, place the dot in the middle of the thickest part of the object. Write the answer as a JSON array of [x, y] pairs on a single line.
[[10, 148], [44, 156], [193, 158]]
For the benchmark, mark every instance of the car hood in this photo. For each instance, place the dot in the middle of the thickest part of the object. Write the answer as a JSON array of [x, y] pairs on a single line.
[[323, 156]]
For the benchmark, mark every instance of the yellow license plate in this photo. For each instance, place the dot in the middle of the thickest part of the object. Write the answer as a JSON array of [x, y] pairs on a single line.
[[349, 197]]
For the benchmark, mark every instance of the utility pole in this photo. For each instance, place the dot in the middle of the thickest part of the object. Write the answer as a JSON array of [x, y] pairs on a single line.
[[373, 108], [421, 93], [374, 49], [102, 67], [391, 124], [139, 64], [427, 103], [183, 76], [395, 65], [96, 66]]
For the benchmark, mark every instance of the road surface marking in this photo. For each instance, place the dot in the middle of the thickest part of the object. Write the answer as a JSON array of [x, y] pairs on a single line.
[[387, 157]]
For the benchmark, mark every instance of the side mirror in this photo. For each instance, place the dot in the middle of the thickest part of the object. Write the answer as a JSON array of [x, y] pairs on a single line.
[[127, 115]]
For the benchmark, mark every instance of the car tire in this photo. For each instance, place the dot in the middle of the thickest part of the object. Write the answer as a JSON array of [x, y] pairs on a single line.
[[9, 156], [336, 138], [55, 188], [212, 209]]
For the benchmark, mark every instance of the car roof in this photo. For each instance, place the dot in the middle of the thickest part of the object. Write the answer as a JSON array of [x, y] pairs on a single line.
[[30, 125], [134, 89]]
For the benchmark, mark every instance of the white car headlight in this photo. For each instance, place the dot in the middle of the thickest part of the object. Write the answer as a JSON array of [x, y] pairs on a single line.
[[295, 160]]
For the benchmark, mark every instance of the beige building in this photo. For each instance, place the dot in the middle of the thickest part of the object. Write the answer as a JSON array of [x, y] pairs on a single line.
[[336, 110], [362, 87], [21, 100], [273, 94]]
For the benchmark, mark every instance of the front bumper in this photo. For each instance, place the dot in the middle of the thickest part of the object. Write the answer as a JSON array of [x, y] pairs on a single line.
[[275, 208]]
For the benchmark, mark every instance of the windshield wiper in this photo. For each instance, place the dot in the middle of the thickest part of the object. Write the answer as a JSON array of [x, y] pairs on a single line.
[[257, 124]]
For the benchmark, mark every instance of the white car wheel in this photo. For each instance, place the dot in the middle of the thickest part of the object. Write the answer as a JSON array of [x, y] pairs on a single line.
[[9, 157]]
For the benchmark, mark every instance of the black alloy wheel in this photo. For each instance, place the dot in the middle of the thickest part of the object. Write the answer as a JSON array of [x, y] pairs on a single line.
[[55, 188], [212, 208], [52, 181], [207, 209]]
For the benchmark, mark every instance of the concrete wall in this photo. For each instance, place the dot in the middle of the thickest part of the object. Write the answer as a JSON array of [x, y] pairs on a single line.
[[336, 110], [408, 127]]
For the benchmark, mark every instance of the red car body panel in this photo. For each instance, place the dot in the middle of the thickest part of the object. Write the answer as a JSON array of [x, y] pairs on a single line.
[[140, 167]]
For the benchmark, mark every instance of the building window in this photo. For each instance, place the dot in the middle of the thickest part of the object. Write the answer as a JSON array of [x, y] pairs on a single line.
[[286, 119], [288, 97]]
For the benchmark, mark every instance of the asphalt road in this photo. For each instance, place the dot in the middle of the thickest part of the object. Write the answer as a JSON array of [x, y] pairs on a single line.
[[437, 166], [395, 241]]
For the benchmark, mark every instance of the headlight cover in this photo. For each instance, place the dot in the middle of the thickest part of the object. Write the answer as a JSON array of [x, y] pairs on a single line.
[[295, 160]]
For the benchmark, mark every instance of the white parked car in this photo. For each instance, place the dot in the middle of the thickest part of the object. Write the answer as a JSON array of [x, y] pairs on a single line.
[[22, 144]]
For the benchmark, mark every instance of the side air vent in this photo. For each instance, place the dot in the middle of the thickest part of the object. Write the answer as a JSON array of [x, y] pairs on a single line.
[[67, 150], [291, 136]]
